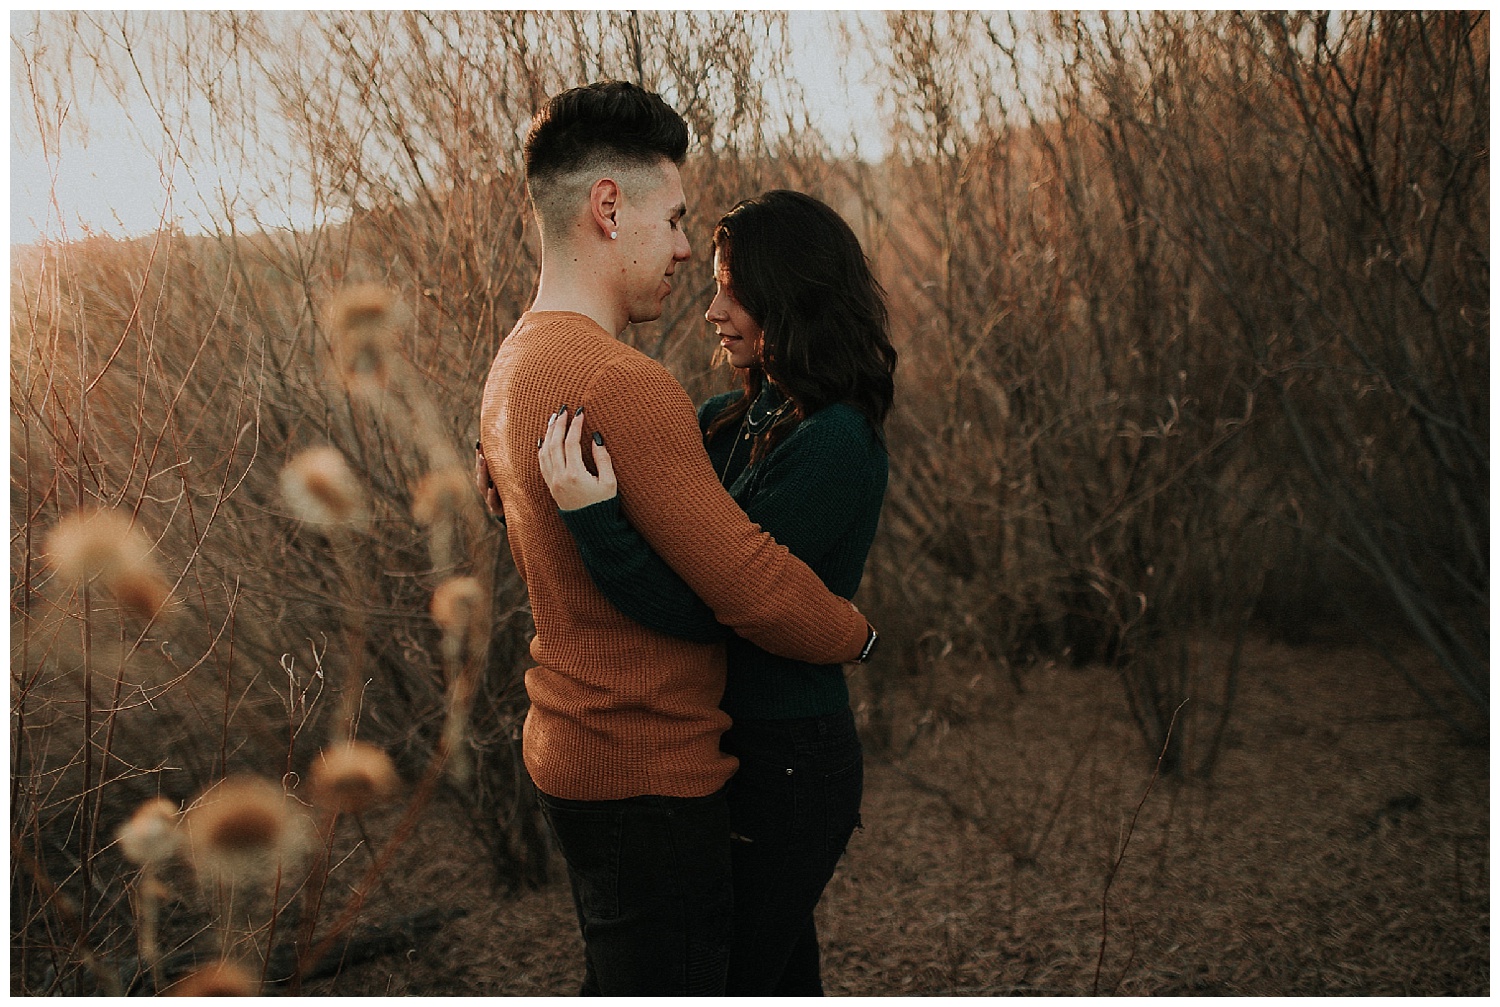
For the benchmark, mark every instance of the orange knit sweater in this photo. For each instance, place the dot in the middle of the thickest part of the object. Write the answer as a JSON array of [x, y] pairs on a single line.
[[618, 710]]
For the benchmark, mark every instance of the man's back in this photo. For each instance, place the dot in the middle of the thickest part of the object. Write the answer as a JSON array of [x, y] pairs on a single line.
[[617, 710]]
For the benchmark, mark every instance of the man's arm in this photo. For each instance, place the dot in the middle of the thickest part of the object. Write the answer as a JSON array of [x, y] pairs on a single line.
[[830, 471], [670, 494]]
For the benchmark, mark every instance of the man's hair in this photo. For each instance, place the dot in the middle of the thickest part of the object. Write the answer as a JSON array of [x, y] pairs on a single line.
[[609, 123]]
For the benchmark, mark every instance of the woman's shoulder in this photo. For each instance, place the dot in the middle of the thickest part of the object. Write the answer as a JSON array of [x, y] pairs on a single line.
[[835, 447], [842, 425], [836, 439]]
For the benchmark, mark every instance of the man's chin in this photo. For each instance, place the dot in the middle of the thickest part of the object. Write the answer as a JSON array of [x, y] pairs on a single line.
[[646, 314]]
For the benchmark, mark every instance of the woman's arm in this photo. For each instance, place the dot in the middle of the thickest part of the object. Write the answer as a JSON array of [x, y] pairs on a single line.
[[636, 580], [618, 558], [809, 492]]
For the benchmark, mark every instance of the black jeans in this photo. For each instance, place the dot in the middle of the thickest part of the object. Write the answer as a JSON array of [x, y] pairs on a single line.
[[651, 885], [793, 805]]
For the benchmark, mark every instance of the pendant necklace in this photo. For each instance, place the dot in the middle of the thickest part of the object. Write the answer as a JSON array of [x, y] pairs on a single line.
[[749, 429], [754, 429]]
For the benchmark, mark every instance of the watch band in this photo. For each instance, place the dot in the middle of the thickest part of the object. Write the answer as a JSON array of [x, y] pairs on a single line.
[[870, 642]]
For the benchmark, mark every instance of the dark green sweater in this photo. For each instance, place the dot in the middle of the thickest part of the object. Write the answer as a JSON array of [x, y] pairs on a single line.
[[818, 493]]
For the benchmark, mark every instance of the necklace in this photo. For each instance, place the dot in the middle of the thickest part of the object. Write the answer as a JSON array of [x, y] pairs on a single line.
[[750, 428]]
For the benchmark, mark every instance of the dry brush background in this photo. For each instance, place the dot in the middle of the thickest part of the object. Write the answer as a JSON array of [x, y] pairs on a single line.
[[1193, 311]]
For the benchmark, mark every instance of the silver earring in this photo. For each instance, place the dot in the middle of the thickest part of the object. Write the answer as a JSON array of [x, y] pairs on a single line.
[[613, 235]]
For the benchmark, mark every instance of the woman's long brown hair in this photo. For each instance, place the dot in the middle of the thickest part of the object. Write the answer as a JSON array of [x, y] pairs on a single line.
[[797, 268]]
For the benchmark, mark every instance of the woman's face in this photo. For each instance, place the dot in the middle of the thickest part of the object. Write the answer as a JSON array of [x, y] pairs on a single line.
[[738, 334]]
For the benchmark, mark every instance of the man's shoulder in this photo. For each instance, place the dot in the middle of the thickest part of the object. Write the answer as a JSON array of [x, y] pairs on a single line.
[[584, 344], [546, 330]]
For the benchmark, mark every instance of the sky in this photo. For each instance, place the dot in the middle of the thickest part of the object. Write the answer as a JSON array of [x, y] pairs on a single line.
[[118, 182]]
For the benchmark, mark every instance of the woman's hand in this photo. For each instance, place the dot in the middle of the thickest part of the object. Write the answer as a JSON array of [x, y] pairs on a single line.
[[486, 486], [573, 486]]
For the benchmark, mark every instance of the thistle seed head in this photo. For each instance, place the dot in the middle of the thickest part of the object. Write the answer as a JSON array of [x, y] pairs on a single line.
[[106, 545], [242, 831], [219, 979], [89, 544], [150, 837], [361, 329], [353, 777], [143, 593], [320, 488], [456, 604], [439, 494]]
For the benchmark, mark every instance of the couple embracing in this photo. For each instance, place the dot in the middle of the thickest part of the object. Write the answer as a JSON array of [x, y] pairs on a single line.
[[689, 732]]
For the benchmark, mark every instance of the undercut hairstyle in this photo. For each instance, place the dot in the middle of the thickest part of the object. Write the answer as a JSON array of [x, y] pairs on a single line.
[[584, 132], [797, 268]]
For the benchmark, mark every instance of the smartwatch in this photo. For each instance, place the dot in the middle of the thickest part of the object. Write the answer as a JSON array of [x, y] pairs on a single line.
[[869, 648]]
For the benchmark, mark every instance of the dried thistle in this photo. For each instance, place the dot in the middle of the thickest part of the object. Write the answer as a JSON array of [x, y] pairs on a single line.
[[90, 544], [105, 545], [362, 331], [141, 592], [148, 840], [320, 488], [456, 603], [219, 979], [242, 831], [458, 610], [150, 837], [441, 494], [352, 778]]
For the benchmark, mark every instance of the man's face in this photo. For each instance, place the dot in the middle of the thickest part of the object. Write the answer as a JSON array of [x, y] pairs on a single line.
[[651, 239]]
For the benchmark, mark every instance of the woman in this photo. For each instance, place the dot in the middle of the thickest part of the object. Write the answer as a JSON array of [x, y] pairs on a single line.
[[803, 322]]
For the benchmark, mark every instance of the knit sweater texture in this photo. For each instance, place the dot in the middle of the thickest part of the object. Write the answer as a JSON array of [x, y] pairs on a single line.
[[819, 492], [619, 710]]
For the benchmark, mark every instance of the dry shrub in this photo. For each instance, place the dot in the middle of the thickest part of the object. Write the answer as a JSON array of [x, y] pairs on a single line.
[[1146, 371]]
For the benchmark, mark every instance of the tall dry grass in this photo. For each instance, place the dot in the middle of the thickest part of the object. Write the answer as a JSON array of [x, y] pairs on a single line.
[[1194, 323]]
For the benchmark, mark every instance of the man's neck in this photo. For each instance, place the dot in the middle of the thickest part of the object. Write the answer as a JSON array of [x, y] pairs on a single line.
[[570, 283]]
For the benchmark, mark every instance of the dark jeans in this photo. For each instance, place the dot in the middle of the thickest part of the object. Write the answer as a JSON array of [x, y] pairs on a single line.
[[793, 805], [651, 884]]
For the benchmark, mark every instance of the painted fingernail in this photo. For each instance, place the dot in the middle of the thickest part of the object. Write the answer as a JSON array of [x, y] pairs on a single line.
[[562, 409], [580, 411], [598, 438], [478, 445], [539, 442]]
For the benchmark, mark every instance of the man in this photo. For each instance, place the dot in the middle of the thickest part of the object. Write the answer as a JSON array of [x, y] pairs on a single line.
[[623, 731]]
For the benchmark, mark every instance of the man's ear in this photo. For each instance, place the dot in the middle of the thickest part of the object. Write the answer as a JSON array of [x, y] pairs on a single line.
[[604, 205]]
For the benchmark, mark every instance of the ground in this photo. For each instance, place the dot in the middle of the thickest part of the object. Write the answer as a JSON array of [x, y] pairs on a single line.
[[1015, 841]]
